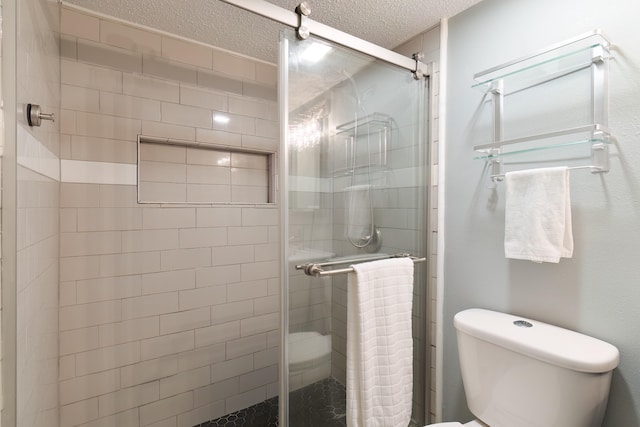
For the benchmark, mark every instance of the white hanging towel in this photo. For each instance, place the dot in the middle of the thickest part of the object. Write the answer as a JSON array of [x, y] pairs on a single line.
[[380, 344], [359, 219], [538, 215]]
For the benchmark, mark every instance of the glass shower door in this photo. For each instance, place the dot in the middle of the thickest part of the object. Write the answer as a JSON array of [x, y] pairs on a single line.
[[355, 161]]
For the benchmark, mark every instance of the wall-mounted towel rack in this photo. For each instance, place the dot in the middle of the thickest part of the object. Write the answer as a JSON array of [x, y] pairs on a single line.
[[587, 51], [316, 269]]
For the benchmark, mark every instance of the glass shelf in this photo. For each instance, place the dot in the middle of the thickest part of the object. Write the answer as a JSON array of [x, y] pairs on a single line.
[[372, 123], [555, 61], [586, 142]]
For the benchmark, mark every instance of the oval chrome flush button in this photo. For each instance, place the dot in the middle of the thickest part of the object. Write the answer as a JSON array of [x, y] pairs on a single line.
[[522, 324]]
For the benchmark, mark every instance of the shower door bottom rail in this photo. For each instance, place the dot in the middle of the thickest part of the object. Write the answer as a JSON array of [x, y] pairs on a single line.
[[316, 269]]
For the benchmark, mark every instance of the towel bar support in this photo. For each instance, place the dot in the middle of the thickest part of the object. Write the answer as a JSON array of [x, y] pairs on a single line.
[[316, 270]]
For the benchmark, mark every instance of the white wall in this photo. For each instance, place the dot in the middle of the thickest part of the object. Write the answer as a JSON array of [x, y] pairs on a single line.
[[595, 292]]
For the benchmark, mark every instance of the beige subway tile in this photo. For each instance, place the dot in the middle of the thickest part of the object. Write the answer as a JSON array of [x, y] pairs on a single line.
[[203, 237], [246, 345], [85, 315], [247, 290], [202, 297], [217, 334], [167, 422], [208, 157], [77, 340], [260, 143], [79, 24], [257, 378], [236, 124], [186, 115], [163, 153], [93, 243], [103, 149], [267, 252], [184, 320], [129, 330], [267, 129], [108, 56], [202, 414], [169, 70], [253, 108], [190, 53], [225, 313], [248, 235], [162, 192], [79, 195], [274, 286], [231, 368], [88, 386], [79, 412], [128, 418], [234, 65], [67, 121], [108, 288], [154, 218], [241, 194], [267, 73], [165, 408], [90, 76], [258, 324], [106, 358], [218, 82], [201, 357], [154, 171], [79, 98], [184, 381], [260, 216], [218, 217], [67, 293], [250, 177], [206, 193], [130, 38], [261, 91], [268, 357], [90, 124], [216, 392], [68, 47], [199, 174], [65, 147], [150, 88], [128, 398], [232, 255], [266, 305], [214, 276], [68, 220], [77, 268], [149, 305], [148, 240], [167, 344], [169, 131], [168, 281], [117, 196], [115, 104], [208, 136], [132, 263], [149, 370], [203, 98]]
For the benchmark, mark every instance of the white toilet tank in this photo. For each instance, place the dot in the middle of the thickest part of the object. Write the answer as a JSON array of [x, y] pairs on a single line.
[[519, 372]]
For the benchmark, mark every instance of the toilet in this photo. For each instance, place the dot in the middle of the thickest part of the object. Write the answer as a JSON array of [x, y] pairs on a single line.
[[519, 372]]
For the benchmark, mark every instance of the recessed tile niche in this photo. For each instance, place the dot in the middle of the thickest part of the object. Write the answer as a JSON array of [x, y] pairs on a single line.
[[172, 171]]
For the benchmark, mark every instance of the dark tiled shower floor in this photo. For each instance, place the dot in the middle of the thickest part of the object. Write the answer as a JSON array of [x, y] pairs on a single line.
[[321, 404]]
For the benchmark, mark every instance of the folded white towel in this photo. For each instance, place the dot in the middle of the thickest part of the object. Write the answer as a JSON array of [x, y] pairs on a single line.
[[359, 221], [380, 344], [538, 215]]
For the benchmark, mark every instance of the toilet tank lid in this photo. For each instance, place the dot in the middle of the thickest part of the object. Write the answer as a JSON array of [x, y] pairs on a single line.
[[551, 344]]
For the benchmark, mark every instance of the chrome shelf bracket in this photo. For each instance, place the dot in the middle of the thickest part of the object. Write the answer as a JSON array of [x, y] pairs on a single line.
[[303, 10]]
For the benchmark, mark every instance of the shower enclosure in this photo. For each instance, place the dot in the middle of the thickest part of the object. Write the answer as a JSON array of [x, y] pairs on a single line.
[[355, 160]]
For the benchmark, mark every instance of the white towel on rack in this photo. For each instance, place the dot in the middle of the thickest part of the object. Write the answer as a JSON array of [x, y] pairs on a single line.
[[359, 219], [538, 215], [379, 343]]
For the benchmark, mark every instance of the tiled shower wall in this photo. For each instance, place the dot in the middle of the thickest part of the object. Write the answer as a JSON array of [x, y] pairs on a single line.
[[169, 313]]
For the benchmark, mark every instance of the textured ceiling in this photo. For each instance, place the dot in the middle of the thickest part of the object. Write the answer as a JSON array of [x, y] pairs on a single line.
[[387, 23]]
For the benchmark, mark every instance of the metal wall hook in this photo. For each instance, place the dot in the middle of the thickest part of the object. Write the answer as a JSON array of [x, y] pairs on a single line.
[[35, 115]]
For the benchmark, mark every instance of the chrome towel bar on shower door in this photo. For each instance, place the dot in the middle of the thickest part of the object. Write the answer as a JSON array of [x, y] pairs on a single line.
[[315, 269]]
